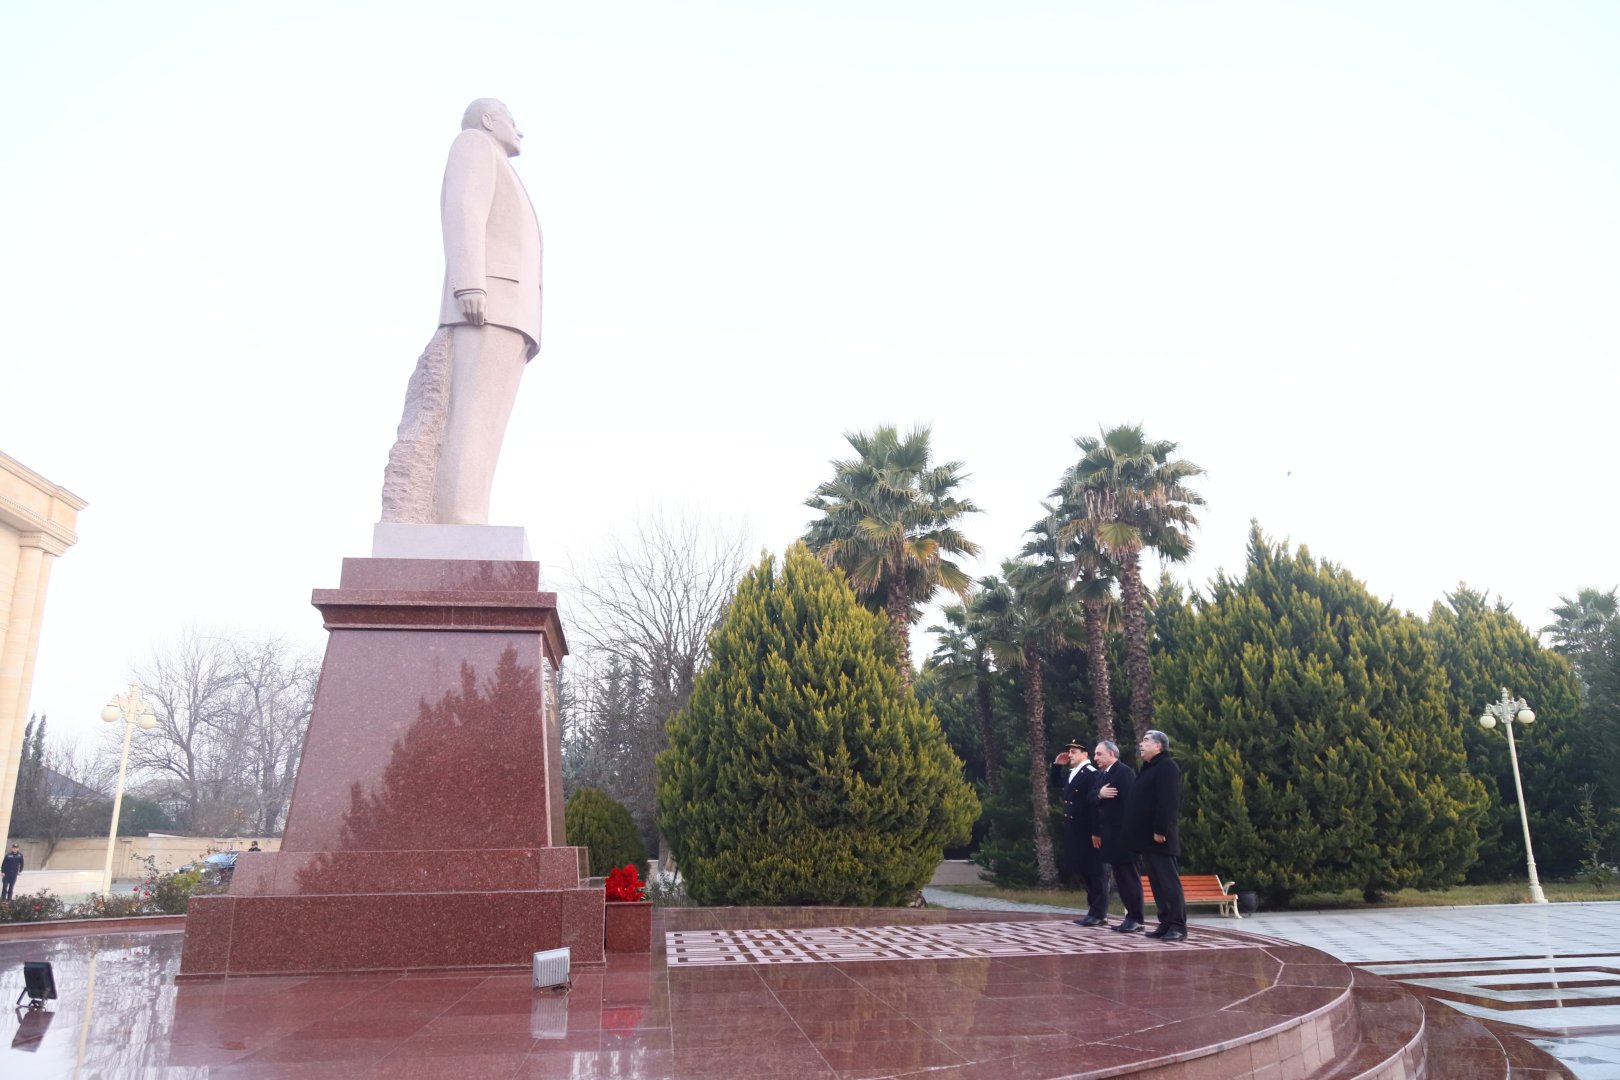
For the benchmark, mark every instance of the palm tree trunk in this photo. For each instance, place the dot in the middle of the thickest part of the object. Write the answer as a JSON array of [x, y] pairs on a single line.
[[1102, 696], [1035, 699], [899, 611], [1137, 665], [987, 733]]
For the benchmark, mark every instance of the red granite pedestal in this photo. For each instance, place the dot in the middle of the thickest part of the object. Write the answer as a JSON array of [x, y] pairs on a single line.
[[426, 827], [628, 926]]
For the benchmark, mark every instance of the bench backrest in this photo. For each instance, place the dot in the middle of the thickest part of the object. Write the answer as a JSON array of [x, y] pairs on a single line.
[[1194, 887]]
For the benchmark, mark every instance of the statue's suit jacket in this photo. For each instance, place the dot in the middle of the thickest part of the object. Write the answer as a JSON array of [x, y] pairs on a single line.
[[491, 237]]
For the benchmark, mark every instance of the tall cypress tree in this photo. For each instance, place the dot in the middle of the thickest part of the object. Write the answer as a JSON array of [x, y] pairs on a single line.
[[30, 808], [804, 771], [1317, 745]]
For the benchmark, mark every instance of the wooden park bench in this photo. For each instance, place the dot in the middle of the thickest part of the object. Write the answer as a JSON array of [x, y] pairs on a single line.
[[1202, 889]]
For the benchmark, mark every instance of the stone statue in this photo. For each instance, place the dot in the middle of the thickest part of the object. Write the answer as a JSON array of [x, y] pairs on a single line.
[[461, 394]]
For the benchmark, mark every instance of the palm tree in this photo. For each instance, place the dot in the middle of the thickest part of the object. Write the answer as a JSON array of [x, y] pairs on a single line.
[[1059, 536], [1029, 614], [963, 661], [889, 521], [1127, 492], [1100, 612], [1581, 629]]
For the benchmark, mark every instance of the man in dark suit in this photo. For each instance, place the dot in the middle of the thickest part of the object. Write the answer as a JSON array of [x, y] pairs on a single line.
[[1153, 831], [1075, 774], [10, 867], [1113, 790]]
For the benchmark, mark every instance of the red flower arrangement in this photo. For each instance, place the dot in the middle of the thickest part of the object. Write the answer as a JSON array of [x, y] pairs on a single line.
[[624, 885]]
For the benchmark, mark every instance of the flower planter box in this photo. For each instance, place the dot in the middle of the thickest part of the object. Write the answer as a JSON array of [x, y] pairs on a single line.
[[627, 927]]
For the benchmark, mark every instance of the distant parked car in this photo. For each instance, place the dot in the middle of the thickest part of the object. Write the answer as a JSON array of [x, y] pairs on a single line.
[[217, 867]]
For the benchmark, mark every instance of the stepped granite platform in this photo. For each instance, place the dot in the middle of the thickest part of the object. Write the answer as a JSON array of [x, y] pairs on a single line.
[[739, 992]]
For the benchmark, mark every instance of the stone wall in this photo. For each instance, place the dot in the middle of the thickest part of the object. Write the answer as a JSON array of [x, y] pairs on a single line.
[[89, 853]]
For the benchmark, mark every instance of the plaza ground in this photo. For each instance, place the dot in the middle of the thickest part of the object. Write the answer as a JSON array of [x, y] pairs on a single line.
[[746, 993], [1549, 971]]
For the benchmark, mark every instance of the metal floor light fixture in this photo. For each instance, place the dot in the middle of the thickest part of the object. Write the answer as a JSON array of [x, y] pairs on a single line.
[[39, 983]]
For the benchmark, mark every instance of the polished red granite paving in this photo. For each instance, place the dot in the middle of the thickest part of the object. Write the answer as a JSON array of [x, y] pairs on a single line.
[[1247, 1007]]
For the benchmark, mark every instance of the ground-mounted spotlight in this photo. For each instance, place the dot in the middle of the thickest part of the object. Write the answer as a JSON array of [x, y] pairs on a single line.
[[551, 970], [39, 983]]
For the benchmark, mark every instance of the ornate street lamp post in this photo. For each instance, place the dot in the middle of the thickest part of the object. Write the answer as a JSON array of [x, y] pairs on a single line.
[[132, 709], [1508, 710]]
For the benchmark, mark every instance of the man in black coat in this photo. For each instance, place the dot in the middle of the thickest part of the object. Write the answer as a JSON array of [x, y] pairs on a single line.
[[1075, 774], [1113, 790], [10, 867], [1152, 830]]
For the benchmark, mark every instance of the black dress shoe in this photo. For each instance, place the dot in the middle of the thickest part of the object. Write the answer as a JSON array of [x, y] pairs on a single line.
[[1129, 926], [1091, 920], [1175, 933], [1160, 932]]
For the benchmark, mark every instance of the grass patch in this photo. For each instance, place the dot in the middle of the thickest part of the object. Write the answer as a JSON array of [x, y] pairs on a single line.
[[1456, 896], [1074, 898]]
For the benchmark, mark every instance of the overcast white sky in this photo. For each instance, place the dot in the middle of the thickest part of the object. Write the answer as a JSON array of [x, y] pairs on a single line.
[[1360, 260]]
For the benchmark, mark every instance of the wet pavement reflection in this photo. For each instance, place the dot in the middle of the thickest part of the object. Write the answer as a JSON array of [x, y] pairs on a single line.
[[1262, 1004]]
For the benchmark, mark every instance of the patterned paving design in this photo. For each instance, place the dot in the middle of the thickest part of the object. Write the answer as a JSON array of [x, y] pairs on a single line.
[[946, 941], [1549, 971], [1568, 992], [1567, 1005]]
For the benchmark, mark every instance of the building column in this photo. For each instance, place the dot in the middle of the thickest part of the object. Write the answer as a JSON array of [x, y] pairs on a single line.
[[21, 645]]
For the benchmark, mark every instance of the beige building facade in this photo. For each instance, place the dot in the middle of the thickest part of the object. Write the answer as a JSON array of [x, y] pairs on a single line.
[[37, 519]]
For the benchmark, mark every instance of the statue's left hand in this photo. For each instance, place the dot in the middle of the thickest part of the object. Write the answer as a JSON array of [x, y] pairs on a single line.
[[472, 305]]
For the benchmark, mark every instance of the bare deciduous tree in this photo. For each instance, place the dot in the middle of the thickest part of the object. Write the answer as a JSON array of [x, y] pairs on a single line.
[[642, 615], [275, 691], [231, 716], [189, 756]]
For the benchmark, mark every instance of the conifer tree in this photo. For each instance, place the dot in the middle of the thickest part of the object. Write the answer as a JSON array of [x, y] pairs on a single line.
[[1483, 649], [596, 820], [804, 771], [1318, 750]]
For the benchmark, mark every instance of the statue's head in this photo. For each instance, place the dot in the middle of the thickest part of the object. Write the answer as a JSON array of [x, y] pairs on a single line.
[[495, 119]]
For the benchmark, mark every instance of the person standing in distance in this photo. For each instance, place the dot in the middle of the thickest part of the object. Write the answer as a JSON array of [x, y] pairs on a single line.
[[1152, 829], [491, 302], [1075, 774], [1114, 782], [10, 867]]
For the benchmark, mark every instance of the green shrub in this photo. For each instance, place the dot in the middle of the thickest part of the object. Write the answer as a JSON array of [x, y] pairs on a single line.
[[597, 821], [804, 771], [171, 893], [110, 906], [1311, 721], [34, 907]]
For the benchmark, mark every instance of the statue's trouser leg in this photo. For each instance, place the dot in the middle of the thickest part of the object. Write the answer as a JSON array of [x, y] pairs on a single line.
[[486, 363]]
